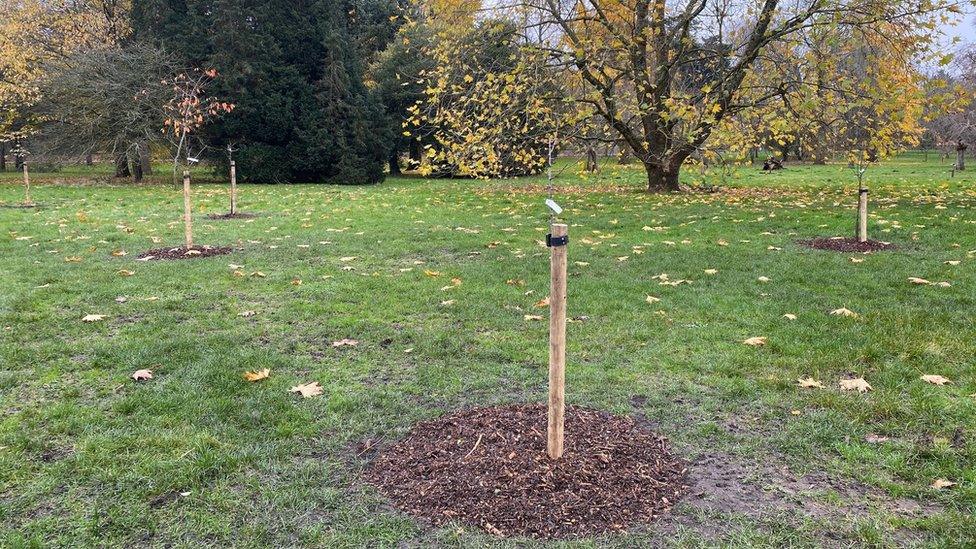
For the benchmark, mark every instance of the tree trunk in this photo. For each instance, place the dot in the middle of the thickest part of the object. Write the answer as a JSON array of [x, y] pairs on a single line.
[[661, 178], [395, 161], [591, 161], [89, 160], [961, 156], [136, 167], [415, 153], [3, 157], [187, 214], [122, 165], [145, 160]]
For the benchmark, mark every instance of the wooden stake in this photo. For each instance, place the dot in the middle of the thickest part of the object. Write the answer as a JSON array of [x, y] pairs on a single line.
[[187, 214], [233, 188], [27, 198], [557, 345], [862, 215]]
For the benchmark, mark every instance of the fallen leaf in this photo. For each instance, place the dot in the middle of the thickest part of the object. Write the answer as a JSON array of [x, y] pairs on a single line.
[[755, 341], [296, 282], [532, 317], [125, 272], [935, 379], [845, 312], [432, 274], [763, 279], [193, 252], [651, 299], [789, 316], [142, 375], [711, 271], [858, 384], [918, 281], [345, 343], [809, 383], [542, 303], [941, 483], [247, 314], [93, 318], [872, 438], [307, 390], [257, 375], [952, 262]]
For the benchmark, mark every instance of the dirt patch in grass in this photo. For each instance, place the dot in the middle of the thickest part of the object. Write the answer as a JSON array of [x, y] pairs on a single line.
[[181, 252], [723, 485], [488, 467], [21, 206], [238, 215], [846, 244]]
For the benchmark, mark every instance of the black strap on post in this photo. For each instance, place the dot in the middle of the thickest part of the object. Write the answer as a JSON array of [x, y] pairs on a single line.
[[552, 241], [862, 191]]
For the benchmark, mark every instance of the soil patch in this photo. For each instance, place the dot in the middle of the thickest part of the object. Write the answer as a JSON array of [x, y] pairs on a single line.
[[488, 467], [181, 252], [20, 206], [842, 244], [238, 215]]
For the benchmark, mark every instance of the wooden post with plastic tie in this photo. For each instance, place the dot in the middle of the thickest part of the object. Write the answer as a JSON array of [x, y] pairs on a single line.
[[557, 242]]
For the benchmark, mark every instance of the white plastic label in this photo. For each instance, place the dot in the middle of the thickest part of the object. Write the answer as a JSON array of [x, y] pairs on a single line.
[[556, 209]]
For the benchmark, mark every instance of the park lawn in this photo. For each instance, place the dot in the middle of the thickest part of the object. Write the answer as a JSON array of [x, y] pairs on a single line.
[[197, 456]]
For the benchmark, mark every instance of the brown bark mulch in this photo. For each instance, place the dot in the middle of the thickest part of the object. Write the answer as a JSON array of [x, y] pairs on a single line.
[[847, 244], [238, 215], [181, 252], [489, 467]]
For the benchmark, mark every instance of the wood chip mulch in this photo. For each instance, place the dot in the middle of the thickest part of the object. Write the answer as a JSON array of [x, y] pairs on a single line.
[[847, 245], [181, 252], [238, 215], [488, 467]]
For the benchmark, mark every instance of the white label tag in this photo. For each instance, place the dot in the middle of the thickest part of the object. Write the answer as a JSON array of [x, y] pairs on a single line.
[[556, 209]]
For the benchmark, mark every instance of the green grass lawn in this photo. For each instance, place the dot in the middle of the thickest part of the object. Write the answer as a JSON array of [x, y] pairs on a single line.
[[197, 456]]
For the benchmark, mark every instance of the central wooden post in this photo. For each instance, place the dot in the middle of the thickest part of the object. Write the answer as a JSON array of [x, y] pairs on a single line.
[[862, 215], [187, 214], [27, 198], [233, 188], [557, 342]]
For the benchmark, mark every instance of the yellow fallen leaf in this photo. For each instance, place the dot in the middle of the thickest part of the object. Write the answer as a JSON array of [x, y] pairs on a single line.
[[532, 317], [845, 312], [247, 314], [858, 384], [345, 343], [307, 390], [72, 259], [296, 282], [952, 262], [918, 281], [142, 375], [193, 252], [432, 274], [857, 260], [542, 303], [119, 253], [763, 279], [651, 299], [125, 272], [935, 379], [941, 483], [93, 318], [755, 341], [809, 383], [448, 302], [257, 375], [789, 316], [347, 258], [711, 271]]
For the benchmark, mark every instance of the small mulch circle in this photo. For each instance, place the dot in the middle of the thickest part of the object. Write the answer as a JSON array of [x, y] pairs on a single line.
[[20, 206], [489, 467], [847, 244], [238, 215], [181, 252]]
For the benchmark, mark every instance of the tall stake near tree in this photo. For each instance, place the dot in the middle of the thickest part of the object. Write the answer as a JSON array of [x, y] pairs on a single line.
[[557, 340]]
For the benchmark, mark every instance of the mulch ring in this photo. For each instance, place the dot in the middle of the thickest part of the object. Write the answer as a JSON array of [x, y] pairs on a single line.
[[181, 252], [488, 467], [846, 244], [237, 215], [20, 205]]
